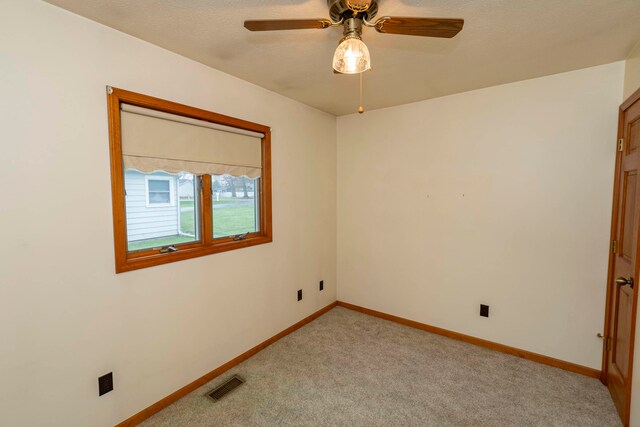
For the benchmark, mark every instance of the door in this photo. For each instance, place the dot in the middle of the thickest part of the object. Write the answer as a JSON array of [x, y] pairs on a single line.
[[623, 263]]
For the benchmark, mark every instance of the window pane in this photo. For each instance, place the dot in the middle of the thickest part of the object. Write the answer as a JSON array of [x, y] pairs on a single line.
[[159, 185], [157, 197], [235, 205], [150, 226]]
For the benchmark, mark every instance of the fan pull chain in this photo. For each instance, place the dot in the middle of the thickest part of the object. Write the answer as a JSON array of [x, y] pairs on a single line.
[[360, 109]]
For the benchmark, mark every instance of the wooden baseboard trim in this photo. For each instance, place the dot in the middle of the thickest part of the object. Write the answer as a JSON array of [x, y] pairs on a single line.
[[177, 395], [546, 360]]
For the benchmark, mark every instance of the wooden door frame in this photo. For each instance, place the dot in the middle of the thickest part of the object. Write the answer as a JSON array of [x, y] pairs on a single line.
[[610, 279]]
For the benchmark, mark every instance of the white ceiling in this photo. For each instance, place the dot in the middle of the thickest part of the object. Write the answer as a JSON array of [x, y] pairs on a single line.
[[502, 41]]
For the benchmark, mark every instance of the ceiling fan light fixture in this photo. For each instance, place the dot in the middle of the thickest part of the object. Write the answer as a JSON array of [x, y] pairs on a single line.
[[351, 56]]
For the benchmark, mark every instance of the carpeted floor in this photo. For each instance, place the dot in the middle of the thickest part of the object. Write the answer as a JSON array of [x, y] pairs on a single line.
[[350, 369]]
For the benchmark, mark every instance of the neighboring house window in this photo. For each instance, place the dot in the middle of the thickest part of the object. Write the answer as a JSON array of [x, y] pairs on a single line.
[[185, 182], [160, 191]]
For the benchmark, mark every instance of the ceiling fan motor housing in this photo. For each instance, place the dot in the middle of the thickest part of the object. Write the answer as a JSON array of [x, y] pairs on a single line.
[[338, 9], [352, 28]]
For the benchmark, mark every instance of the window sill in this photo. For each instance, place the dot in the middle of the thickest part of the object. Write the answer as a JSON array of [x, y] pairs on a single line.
[[136, 263]]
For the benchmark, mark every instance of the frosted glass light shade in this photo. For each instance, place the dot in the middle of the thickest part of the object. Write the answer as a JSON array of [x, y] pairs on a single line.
[[352, 57]]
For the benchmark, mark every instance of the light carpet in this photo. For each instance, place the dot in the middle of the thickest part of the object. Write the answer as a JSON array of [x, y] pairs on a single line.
[[350, 369]]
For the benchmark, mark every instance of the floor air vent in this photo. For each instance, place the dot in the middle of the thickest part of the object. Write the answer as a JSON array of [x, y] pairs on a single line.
[[225, 388]]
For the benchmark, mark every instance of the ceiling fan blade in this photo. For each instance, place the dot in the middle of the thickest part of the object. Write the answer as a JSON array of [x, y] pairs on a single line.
[[286, 24], [425, 27]]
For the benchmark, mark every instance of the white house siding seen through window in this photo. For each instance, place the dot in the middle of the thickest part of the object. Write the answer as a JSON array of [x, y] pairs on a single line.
[[161, 209]]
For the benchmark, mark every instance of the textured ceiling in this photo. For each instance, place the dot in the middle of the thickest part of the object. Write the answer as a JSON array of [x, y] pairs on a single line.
[[502, 41]]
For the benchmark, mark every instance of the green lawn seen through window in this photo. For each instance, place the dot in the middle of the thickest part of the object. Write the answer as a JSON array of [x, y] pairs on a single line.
[[231, 216], [158, 242]]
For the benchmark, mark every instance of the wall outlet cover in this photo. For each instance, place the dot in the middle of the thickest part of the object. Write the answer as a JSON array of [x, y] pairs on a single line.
[[105, 384], [484, 310]]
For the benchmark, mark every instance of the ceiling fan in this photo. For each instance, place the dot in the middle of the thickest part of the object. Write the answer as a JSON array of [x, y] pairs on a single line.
[[352, 55]]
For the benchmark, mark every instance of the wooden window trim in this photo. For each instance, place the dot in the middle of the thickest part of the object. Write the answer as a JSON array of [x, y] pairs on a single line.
[[127, 261]]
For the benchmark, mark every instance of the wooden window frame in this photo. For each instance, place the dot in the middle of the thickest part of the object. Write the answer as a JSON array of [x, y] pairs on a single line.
[[207, 245]]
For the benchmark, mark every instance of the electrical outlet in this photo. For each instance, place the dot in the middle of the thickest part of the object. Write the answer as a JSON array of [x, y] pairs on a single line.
[[299, 294], [484, 310], [322, 285], [105, 384]]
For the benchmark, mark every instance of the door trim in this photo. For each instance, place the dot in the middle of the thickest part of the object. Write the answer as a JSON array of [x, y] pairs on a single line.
[[635, 97]]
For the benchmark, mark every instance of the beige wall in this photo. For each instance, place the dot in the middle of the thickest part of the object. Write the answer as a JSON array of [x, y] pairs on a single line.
[[499, 196], [632, 72], [65, 317]]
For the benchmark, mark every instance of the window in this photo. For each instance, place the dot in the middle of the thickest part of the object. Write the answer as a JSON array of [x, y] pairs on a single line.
[[185, 182], [235, 205], [159, 191], [153, 219]]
